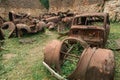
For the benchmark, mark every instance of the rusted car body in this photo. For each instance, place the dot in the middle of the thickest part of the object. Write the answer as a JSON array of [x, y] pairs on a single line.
[[92, 63], [52, 22], [60, 21], [17, 16], [23, 18], [92, 27], [24, 28]]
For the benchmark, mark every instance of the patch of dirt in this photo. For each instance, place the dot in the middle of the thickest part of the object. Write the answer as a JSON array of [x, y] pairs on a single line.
[[26, 41], [118, 42], [8, 56]]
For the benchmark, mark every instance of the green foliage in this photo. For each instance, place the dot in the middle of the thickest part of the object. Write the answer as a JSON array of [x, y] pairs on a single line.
[[45, 3], [70, 64], [69, 67]]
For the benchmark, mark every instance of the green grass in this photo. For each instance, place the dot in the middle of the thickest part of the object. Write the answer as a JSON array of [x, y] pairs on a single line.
[[27, 63], [114, 35], [22, 52]]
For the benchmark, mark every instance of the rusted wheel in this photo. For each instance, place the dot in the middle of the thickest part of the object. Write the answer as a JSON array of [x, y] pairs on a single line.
[[70, 52], [52, 53], [56, 53]]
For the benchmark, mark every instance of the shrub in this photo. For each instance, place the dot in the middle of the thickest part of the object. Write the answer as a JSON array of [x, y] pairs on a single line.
[[45, 3]]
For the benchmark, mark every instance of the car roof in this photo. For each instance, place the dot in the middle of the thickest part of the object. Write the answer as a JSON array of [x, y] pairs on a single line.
[[92, 14]]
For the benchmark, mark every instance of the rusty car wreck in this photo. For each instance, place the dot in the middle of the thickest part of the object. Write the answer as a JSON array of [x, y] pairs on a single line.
[[92, 27], [20, 24], [84, 49], [92, 63]]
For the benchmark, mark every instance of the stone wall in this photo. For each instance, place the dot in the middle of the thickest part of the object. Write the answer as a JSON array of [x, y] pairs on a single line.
[[113, 8]]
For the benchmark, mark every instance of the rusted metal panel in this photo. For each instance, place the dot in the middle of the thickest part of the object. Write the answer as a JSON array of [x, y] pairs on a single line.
[[51, 54], [1, 35], [95, 64]]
